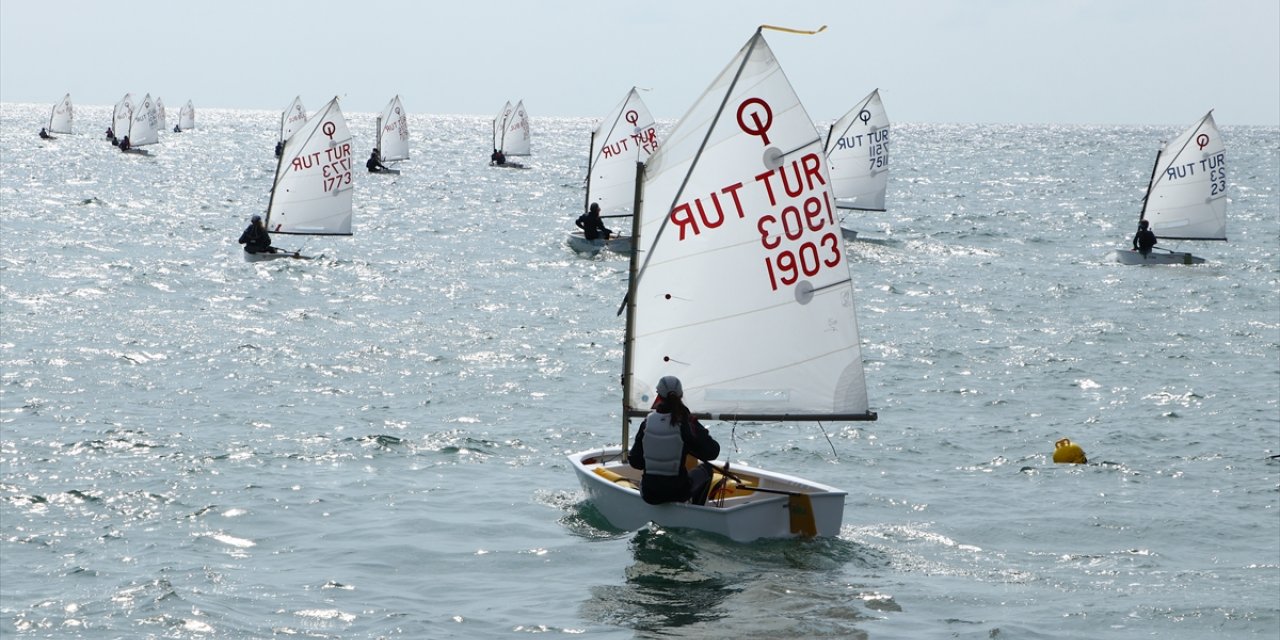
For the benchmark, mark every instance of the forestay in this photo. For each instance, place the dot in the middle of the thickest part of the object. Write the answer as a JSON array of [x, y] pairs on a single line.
[[515, 139], [1187, 199], [61, 118], [145, 126], [313, 185], [744, 292], [626, 136], [122, 115], [393, 132], [857, 148], [187, 116], [292, 119]]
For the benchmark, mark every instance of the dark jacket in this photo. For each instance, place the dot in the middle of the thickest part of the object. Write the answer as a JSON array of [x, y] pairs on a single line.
[[657, 489], [374, 164], [256, 239], [1143, 240], [592, 226]]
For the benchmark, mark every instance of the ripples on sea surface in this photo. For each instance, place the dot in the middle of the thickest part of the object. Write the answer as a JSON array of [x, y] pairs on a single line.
[[372, 444]]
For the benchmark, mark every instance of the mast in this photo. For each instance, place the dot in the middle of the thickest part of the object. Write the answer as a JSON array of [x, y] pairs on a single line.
[[629, 337], [378, 138], [590, 163]]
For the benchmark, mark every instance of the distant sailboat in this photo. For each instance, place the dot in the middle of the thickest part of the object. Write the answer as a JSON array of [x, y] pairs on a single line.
[[60, 120], [1186, 196], [292, 119], [143, 126], [392, 135], [311, 194], [624, 137], [161, 119], [502, 147], [121, 115], [857, 149], [515, 135], [745, 299], [187, 117]]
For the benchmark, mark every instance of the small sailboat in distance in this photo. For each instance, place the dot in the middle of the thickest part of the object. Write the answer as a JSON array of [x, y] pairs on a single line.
[[502, 147], [743, 298], [857, 148], [291, 119], [161, 119], [624, 137], [392, 130], [187, 117], [143, 127], [1187, 195], [121, 115], [311, 194], [60, 120]]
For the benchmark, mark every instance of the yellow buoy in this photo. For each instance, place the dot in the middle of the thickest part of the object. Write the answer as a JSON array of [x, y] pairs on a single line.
[[1067, 452]]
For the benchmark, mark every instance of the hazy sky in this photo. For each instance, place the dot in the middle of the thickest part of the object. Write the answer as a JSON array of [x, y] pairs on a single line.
[[1018, 61]]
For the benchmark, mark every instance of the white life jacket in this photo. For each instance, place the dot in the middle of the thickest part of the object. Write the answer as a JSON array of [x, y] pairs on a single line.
[[663, 446]]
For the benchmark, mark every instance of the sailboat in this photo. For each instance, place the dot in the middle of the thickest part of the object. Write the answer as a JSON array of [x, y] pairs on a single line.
[[626, 136], [511, 133], [311, 194], [143, 127], [740, 288], [1186, 196], [857, 149], [121, 115], [161, 119], [392, 132], [187, 117], [291, 119], [61, 117]]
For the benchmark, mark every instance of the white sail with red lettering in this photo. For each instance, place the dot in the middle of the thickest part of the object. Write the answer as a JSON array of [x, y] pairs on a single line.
[[626, 136], [61, 118], [144, 126], [393, 132], [122, 115], [857, 149], [292, 119], [187, 116], [313, 185], [515, 137], [161, 119], [743, 291], [1187, 199]]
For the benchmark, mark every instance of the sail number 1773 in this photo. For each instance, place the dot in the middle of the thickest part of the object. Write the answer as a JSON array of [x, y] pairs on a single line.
[[787, 266]]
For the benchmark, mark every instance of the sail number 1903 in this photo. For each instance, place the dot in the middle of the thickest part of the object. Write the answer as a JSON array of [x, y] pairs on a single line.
[[787, 266]]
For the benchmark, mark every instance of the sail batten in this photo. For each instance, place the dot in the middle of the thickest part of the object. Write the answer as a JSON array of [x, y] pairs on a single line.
[[744, 292]]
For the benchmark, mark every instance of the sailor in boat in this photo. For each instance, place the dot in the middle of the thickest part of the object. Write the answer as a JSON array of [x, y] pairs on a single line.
[[1144, 239], [592, 226], [111, 135], [255, 237], [124, 143], [177, 129], [279, 148], [497, 158], [667, 435], [44, 134], [374, 163]]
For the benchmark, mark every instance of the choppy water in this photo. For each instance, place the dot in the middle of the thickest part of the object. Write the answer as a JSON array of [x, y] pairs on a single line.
[[371, 445]]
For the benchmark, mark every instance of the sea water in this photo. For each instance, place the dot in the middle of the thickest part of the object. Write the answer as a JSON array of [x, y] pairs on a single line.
[[372, 444]]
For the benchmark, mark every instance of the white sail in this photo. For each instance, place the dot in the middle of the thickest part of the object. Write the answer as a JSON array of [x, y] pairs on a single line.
[[515, 138], [292, 118], [858, 150], [313, 185], [1187, 199], [187, 116], [160, 116], [744, 292], [393, 132], [61, 118], [145, 126], [500, 124], [122, 115], [626, 136]]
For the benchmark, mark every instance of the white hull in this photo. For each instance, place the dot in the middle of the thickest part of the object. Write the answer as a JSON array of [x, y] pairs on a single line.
[[742, 518], [849, 234], [616, 244], [1155, 257], [263, 257]]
